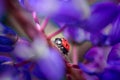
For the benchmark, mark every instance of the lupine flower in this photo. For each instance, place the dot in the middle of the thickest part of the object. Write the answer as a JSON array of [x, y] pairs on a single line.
[[39, 58], [49, 67], [112, 70], [6, 69], [9, 72], [95, 59], [7, 38], [102, 14], [65, 11], [95, 64], [48, 62]]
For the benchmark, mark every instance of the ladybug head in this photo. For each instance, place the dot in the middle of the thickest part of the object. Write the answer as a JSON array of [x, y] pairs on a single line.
[[58, 41]]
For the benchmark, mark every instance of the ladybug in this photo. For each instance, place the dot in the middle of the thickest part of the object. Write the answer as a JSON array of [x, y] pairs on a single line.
[[62, 44]]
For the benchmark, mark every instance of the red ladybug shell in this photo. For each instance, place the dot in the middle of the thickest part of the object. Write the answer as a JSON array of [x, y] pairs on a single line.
[[65, 44]]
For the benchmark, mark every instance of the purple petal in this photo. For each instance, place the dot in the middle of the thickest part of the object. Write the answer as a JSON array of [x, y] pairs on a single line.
[[6, 48], [101, 15], [7, 35], [114, 55], [93, 53], [72, 12], [110, 74], [86, 70], [4, 59], [114, 36], [65, 11], [76, 34], [99, 39], [96, 59], [50, 67]]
